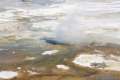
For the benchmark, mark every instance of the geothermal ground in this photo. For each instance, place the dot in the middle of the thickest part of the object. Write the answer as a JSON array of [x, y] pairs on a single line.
[[27, 60], [59, 40]]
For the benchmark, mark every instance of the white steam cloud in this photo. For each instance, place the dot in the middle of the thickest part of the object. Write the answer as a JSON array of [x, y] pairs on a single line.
[[91, 21]]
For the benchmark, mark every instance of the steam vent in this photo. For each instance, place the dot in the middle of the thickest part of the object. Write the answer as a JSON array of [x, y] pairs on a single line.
[[60, 40]]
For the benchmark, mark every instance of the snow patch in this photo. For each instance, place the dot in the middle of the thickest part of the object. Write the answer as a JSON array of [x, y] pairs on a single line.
[[109, 62], [61, 66], [8, 74], [52, 52]]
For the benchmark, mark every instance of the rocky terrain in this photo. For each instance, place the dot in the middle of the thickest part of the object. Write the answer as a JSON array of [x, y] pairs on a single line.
[[59, 40]]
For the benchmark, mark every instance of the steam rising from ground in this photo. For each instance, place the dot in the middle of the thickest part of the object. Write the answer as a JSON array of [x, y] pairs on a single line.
[[91, 21], [70, 21]]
